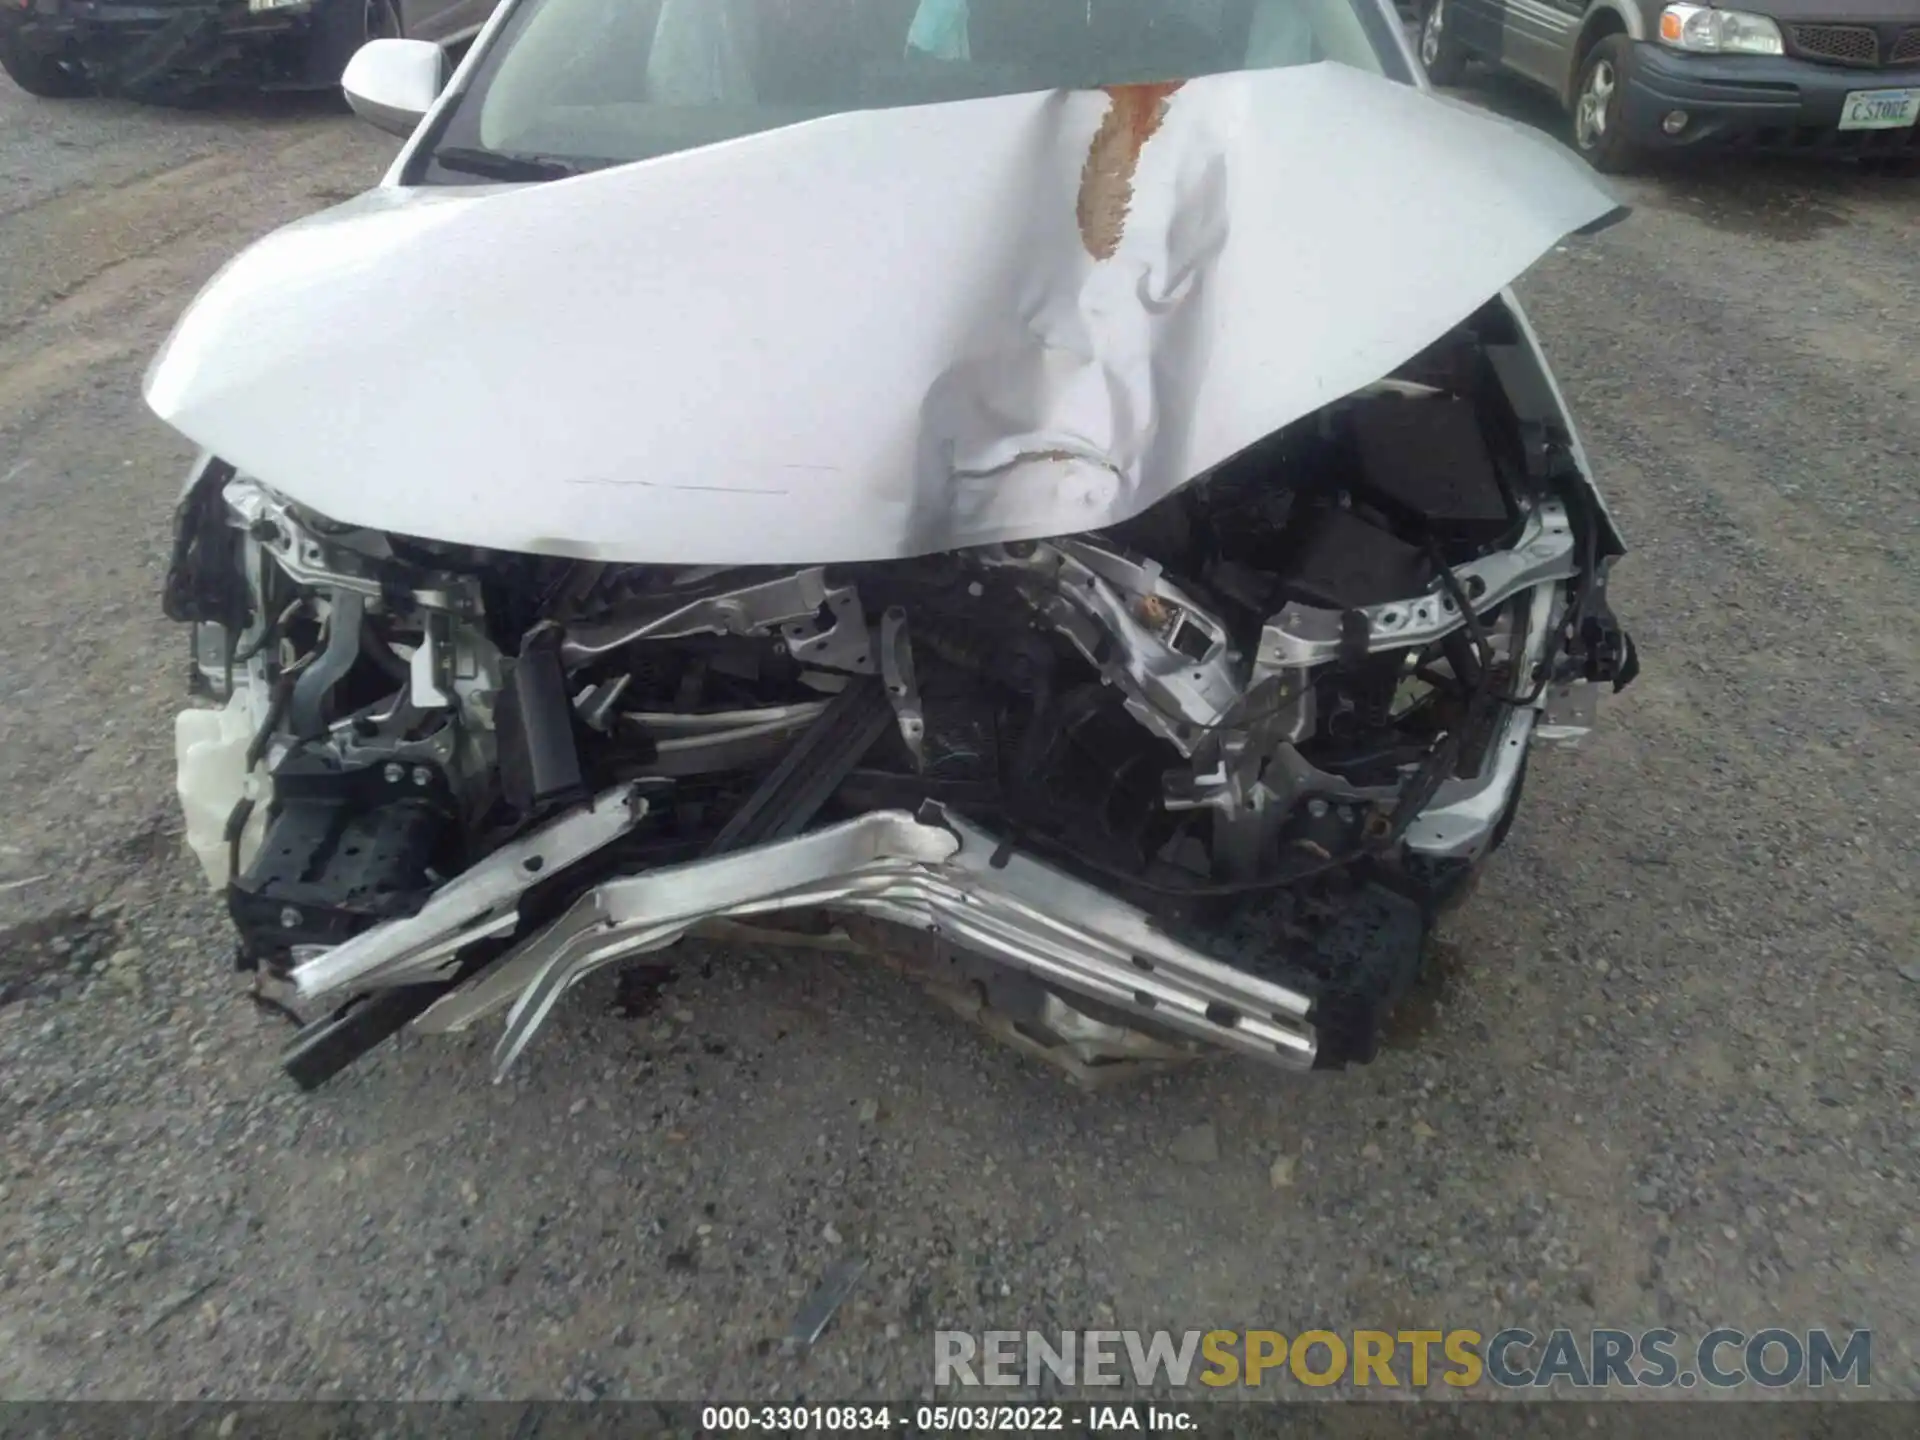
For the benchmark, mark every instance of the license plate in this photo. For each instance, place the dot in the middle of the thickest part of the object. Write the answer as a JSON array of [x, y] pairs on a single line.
[[1880, 110]]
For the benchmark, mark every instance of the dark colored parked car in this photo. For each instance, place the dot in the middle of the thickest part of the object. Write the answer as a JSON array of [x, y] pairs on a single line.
[[1641, 77], [173, 49]]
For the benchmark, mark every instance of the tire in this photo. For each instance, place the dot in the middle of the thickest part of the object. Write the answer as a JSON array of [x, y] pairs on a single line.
[[1443, 56], [1599, 96], [344, 26], [41, 75]]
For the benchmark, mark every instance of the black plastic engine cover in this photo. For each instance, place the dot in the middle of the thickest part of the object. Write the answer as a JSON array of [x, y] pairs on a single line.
[[344, 850], [1337, 560], [1427, 461]]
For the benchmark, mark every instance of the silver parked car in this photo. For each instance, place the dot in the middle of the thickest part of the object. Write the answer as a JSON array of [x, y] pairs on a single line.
[[978, 482]]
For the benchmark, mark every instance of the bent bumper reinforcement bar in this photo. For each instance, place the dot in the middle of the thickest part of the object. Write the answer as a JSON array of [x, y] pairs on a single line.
[[930, 872]]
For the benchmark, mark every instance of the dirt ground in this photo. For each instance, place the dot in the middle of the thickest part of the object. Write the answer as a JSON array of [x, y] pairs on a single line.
[[1666, 1076]]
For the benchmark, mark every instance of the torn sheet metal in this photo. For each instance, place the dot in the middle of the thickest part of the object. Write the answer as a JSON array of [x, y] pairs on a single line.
[[869, 336]]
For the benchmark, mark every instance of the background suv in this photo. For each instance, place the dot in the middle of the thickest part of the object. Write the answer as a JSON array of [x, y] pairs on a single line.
[[1640, 76]]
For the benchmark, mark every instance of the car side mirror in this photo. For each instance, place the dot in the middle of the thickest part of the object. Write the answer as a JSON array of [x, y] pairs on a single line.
[[393, 83]]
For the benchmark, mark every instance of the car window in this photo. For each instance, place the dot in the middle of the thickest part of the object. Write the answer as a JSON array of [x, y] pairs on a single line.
[[590, 82]]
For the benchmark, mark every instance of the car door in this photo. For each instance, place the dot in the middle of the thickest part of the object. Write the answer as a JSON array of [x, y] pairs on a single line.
[[1479, 25], [1539, 39], [444, 20]]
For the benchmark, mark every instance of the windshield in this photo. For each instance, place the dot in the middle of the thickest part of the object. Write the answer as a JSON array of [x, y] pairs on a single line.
[[575, 84]]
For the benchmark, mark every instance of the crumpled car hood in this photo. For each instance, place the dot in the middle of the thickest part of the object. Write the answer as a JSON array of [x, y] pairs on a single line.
[[871, 336]]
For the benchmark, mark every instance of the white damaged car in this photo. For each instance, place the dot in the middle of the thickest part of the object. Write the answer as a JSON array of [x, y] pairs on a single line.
[[1054, 493]]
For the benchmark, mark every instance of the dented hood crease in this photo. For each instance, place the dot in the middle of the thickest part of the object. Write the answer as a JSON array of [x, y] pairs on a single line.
[[871, 336]]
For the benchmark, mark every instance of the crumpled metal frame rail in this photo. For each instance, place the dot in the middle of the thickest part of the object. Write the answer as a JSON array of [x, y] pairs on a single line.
[[931, 871]]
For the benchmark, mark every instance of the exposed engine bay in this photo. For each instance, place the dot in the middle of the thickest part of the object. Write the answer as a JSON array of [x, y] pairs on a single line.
[[1202, 780]]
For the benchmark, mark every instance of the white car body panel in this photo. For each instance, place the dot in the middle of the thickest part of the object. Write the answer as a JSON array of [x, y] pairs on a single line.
[[870, 336]]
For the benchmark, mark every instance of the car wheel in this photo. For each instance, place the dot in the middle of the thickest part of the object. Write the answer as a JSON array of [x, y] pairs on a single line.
[[344, 26], [1599, 103], [1440, 52], [41, 75], [383, 20]]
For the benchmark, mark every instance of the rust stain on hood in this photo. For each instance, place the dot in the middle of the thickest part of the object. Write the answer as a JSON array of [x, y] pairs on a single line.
[[1106, 184]]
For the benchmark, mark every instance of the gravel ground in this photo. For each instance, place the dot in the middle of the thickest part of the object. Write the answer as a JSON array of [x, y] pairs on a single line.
[[1666, 1074]]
